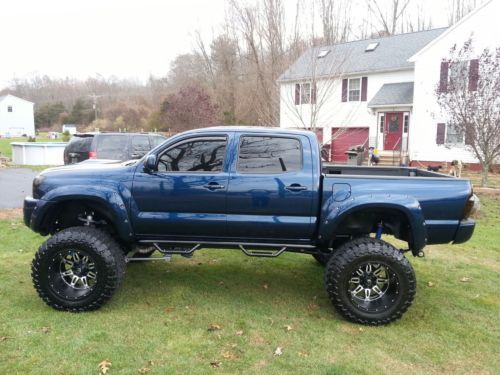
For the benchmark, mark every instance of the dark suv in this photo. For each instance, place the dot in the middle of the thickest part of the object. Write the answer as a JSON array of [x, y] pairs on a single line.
[[111, 146]]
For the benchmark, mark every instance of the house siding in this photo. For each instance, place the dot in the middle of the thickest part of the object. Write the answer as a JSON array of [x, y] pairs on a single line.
[[18, 122], [484, 28], [334, 113]]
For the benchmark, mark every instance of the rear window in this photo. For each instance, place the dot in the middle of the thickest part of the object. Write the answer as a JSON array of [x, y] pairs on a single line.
[[140, 144], [112, 147], [79, 144], [269, 155], [157, 140]]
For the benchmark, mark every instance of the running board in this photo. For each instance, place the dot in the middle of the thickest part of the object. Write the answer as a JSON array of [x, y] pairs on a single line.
[[262, 253], [280, 248]]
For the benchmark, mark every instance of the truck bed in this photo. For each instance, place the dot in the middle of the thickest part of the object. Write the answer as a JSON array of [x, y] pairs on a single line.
[[353, 170]]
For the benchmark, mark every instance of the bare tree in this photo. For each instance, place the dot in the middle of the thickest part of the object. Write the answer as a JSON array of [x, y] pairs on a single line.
[[457, 9], [388, 17], [471, 101]]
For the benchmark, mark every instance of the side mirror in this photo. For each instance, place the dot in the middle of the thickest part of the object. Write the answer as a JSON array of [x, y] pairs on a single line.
[[150, 163]]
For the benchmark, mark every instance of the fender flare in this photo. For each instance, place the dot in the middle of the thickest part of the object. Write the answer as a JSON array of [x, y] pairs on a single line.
[[334, 213], [106, 196]]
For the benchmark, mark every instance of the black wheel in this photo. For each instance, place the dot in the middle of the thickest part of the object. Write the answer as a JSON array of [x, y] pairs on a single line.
[[78, 269], [370, 282]]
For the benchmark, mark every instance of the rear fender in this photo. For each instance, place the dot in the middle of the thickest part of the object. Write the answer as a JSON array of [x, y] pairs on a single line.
[[334, 212]]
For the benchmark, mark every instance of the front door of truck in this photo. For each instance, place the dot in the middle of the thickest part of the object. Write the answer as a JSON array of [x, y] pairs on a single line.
[[186, 196], [271, 188]]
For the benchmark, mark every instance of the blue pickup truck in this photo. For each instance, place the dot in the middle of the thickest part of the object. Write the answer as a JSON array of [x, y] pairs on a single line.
[[261, 190]]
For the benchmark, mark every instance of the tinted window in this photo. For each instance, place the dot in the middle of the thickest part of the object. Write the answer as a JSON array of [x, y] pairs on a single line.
[[157, 140], [140, 144], [269, 155], [112, 147], [79, 144], [202, 155]]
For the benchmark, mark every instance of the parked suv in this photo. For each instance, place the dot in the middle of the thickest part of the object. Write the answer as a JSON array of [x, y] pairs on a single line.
[[113, 146]]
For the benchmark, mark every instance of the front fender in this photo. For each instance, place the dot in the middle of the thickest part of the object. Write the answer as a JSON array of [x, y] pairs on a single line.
[[110, 198], [334, 212]]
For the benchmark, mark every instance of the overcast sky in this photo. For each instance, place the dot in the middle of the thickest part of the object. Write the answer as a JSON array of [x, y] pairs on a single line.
[[126, 38]]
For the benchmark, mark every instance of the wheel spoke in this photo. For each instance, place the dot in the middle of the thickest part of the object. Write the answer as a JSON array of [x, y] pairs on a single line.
[[91, 275], [76, 256], [74, 280], [67, 273], [358, 289], [378, 271], [84, 282], [368, 293], [354, 280], [377, 290], [368, 268]]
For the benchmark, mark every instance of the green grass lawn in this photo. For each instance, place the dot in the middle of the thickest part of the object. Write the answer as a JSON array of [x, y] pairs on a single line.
[[158, 321]]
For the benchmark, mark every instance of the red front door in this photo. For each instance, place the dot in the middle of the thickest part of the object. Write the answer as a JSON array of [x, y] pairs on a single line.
[[393, 130]]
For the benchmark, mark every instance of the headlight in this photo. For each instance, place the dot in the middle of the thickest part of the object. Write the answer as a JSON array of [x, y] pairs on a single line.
[[37, 181]]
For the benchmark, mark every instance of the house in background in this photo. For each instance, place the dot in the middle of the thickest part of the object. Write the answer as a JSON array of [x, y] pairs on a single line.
[[380, 92], [434, 140], [16, 117]]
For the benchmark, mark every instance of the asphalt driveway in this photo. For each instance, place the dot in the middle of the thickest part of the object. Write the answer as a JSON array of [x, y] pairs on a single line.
[[15, 184]]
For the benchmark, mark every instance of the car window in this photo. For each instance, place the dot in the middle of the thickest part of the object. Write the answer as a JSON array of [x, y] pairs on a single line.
[[140, 144], [79, 144], [194, 156], [157, 140], [269, 155], [112, 147]]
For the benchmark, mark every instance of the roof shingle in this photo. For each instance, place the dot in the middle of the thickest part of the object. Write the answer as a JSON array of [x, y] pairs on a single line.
[[392, 53], [393, 94]]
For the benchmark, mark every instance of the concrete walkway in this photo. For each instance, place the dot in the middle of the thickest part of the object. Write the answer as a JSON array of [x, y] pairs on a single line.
[[15, 184]]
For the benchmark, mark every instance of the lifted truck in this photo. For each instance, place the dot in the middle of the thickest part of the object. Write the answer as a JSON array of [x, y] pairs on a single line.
[[260, 190]]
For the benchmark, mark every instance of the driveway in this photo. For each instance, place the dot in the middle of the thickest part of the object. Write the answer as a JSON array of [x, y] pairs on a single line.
[[15, 184]]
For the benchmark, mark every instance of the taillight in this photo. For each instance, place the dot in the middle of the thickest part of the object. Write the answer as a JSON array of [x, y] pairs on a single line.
[[471, 206], [92, 155]]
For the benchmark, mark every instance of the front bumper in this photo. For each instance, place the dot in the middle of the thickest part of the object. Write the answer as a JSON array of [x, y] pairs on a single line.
[[464, 231], [29, 207]]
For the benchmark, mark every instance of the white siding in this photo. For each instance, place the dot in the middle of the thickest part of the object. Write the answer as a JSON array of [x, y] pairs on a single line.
[[331, 111], [18, 122], [483, 25]]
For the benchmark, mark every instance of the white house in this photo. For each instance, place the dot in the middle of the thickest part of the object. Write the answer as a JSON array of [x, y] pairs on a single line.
[[380, 92], [432, 139], [16, 117]]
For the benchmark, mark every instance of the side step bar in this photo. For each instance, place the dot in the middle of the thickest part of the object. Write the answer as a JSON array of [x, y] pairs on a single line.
[[280, 249]]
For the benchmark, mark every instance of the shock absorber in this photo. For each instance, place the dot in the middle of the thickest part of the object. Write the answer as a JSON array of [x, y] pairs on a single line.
[[380, 229]]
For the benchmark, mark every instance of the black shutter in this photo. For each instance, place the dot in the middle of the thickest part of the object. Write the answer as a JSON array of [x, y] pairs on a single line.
[[297, 94], [443, 77], [364, 88], [313, 93], [441, 128], [473, 74], [344, 90]]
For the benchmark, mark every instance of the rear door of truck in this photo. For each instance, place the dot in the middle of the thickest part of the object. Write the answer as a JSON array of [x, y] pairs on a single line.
[[271, 187]]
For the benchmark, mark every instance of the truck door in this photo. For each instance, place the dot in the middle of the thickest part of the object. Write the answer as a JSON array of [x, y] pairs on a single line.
[[187, 195], [271, 189]]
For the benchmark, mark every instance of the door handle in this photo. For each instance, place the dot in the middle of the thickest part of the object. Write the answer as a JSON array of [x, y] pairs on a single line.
[[213, 186], [296, 187]]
